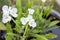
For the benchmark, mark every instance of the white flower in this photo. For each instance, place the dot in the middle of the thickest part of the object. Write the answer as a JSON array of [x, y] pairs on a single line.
[[29, 17], [43, 0], [5, 9], [24, 20], [4, 21], [32, 23], [9, 10], [6, 18], [14, 15], [13, 12], [31, 11]]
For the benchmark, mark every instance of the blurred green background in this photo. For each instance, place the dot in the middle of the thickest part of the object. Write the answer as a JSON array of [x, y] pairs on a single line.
[[36, 2]]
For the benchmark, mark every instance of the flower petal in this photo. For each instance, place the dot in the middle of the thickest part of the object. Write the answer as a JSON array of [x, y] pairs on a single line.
[[31, 11], [5, 7]]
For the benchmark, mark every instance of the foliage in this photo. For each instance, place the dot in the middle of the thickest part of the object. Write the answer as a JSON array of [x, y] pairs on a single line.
[[39, 32], [2, 26]]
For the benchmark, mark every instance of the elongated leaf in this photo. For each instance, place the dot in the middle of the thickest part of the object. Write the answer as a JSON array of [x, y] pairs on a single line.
[[38, 16], [51, 28], [19, 8], [45, 11], [49, 11], [40, 37], [53, 23], [12, 34], [47, 23], [30, 4], [36, 31], [2, 26], [8, 27], [50, 36], [9, 37]]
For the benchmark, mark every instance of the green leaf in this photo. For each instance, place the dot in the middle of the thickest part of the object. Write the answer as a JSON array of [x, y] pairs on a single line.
[[50, 36], [46, 10], [52, 28], [2, 26], [19, 8], [49, 11], [39, 37], [53, 23], [8, 27], [38, 16], [47, 23], [12, 34], [30, 4], [36, 31], [9, 37]]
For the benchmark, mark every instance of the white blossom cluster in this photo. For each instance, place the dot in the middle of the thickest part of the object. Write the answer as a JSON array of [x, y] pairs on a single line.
[[8, 13], [29, 19]]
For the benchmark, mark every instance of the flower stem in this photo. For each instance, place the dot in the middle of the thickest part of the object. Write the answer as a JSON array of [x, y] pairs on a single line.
[[25, 31], [42, 7], [15, 22]]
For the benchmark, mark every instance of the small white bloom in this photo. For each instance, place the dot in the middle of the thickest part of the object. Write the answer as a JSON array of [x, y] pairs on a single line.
[[29, 17], [43, 0], [32, 23], [24, 20], [9, 10], [13, 12], [5, 9], [31, 11], [4, 15], [14, 15], [6, 18], [6, 12]]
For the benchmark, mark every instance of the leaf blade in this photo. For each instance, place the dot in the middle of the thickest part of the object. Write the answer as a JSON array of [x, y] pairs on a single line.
[[53, 23]]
